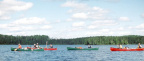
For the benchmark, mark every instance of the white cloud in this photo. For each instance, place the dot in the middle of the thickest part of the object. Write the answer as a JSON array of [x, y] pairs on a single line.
[[97, 8], [2, 26], [143, 15], [76, 29], [69, 19], [109, 32], [130, 27], [57, 21], [80, 15], [26, 24], [30, 21], [13, 27], [120, 28], [10, 6], [17, 33], [73, 4], [104, 22], [76, 7], [124, 33], [114, 1], [105, 32], [78, 24], [141, 26], [92, 26], [124, 19], [82, 11], [5, 17], [139, 29], [21, 28], [101, 23], [46, 27]]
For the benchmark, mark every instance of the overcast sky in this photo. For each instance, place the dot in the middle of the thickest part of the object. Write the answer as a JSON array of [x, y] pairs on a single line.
[[72, 18]]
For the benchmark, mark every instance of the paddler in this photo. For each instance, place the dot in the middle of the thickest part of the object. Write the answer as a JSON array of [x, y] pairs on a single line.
[[34, 45], [120, 46], [89, 46], [126, 47], [37, 46], [139, 46], [79, 47], [50, 46], [19, 46]]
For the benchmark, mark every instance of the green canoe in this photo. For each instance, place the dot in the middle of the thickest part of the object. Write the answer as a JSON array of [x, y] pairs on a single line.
[[70, 48], [14, 49]]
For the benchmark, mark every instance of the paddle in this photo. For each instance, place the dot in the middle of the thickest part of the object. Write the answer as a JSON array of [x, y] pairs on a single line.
[[46, 43], [15, 49]]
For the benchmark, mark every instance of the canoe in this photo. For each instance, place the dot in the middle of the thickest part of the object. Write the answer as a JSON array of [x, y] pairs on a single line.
[[43, 48], [33, 48], [14, 49], [70, 48], [50, 48], [26, 49], [129, 49]]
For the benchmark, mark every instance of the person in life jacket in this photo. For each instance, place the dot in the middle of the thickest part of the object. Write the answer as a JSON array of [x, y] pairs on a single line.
[[139, 46], [37, 46], [19, 46], [50, 46], [34, 45], [79, 47], [89, 46], [120, 46]]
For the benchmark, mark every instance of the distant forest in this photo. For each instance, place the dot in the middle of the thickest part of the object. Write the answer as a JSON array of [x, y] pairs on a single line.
[[95, 40]]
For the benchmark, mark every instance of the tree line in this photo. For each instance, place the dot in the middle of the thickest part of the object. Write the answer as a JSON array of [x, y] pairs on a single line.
[[9, 39], [94, 40]]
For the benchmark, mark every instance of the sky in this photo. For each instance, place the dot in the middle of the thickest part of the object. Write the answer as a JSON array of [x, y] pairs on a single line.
[[72, 18]]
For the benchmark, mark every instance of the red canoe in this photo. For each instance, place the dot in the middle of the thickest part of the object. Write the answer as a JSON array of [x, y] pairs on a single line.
[[50, 48], [129, 49]]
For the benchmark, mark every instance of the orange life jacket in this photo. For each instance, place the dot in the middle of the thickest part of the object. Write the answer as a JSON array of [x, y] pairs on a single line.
[[80, 47], [19, 47]]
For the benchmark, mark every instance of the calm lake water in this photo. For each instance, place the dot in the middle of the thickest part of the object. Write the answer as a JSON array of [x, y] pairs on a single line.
[[62, 54]]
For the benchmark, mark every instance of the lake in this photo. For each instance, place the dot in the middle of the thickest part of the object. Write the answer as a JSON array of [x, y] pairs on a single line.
[[62, 54]]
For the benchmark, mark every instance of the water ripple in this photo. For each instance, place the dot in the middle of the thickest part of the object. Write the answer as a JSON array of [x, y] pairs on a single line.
[[62, 54]]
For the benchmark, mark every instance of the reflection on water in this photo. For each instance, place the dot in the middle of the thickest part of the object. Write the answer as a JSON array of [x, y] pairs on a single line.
[[62, 54]]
